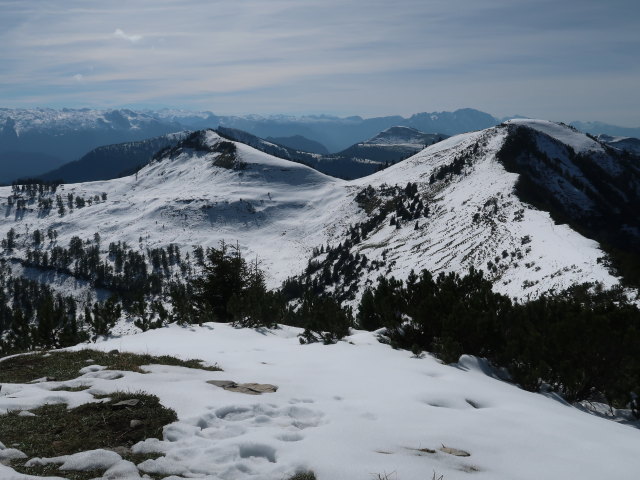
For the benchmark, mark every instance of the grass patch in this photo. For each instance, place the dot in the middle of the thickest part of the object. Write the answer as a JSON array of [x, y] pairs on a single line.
[[61, 366], [57, 430], [79, 388], [303, 476], [51, 470]]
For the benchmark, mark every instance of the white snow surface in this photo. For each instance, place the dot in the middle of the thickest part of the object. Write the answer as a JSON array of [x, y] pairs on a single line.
[[279, 211], [345, 411], [90, 460]]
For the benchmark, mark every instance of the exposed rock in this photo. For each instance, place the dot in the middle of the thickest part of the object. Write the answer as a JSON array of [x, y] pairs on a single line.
[[121, 450], [454, 451], [247, 388], [222, 383]]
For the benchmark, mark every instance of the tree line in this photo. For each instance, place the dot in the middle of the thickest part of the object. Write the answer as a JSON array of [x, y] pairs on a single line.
[[581, 342]]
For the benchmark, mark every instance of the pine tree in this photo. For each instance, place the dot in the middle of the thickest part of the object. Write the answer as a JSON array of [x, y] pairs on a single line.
[[222, 278], [46, 316], [368, 317], [20, 334]]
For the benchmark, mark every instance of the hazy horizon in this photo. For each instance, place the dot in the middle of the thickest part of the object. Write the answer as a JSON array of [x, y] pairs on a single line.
[[574, 61]]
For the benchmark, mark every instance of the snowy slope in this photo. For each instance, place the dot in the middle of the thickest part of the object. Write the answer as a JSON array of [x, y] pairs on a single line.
[[452, 240], [279, 211], [566, 135], [345, 411]]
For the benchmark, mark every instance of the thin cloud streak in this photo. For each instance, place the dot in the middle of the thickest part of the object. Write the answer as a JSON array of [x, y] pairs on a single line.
[[130, 38]]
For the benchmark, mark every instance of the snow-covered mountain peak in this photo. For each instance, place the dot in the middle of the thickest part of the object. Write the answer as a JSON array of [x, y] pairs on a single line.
[[565, 134], [247, 161]]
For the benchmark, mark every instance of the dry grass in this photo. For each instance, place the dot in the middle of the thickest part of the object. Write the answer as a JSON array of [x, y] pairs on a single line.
[[61, 366]]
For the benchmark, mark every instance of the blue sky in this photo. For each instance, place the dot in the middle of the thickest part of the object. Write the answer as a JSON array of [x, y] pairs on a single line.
[[562, 60]]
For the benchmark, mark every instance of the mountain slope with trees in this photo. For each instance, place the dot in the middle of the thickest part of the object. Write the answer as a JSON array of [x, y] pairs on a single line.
[[112, 161]]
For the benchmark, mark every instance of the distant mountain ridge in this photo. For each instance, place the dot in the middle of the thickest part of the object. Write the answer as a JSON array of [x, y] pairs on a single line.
[[61, 136], [48, 138], [386, 148], [365, 158], [32, 138], [69, 133], [339, 133], [598, 128], [627, 144], [112, 161], [359, 160], [298, 142]]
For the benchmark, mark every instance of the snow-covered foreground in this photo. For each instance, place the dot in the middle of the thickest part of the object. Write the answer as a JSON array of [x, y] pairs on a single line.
[[346, 411]]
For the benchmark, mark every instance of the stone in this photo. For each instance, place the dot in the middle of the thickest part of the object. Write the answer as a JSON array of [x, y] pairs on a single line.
[[135, 423], [121, 450], [246, 388], [454, 451], [222, 383]]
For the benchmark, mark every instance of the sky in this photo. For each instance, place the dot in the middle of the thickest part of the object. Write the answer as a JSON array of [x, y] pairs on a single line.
[[560, 60]]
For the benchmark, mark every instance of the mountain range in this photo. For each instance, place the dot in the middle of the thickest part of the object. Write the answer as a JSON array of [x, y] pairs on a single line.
[[35, 141], [364, 158], [500, 199]]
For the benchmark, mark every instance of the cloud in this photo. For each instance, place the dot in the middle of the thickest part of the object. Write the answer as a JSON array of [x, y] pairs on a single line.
[[130, 38], [78, 77], [561, 61]]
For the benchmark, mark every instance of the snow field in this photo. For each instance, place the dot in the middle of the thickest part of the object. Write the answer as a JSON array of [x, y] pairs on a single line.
[[346, 411]]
